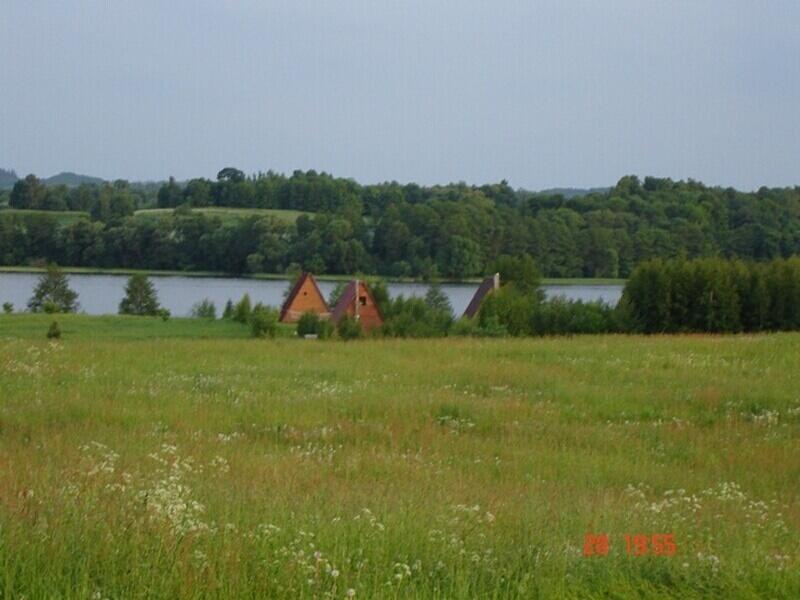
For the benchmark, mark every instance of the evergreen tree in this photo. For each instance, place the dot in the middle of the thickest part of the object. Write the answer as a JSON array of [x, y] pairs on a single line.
[[228, 312], [242, 310], [140, 297], [437, 300], [53, 293]]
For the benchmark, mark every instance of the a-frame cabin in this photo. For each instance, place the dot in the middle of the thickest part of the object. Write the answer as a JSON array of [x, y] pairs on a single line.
[[357, 301], [486, 287], [303, 298]]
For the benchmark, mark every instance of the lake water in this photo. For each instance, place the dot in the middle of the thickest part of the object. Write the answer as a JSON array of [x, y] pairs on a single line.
[[101, 294]]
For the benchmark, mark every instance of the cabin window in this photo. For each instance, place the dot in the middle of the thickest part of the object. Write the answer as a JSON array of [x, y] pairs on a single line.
[[362, 300]]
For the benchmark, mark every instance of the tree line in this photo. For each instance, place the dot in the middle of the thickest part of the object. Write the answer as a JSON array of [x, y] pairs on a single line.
[[713, 295], [390, 229], [103, 202]]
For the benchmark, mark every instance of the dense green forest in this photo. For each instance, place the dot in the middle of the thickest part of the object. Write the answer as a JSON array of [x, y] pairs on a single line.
[[677, 296], [451, 231]]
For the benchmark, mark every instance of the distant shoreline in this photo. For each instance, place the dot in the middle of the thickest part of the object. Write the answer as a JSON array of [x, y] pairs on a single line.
[[283, 276]]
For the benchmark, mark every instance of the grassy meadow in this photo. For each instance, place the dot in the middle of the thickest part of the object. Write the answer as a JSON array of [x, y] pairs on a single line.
[[170, 459], [63, 217], [229, 214], [123, 327]]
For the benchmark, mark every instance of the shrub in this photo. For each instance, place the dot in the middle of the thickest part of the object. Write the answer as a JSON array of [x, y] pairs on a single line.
[[349, 328], [242, 310], [464, 327], [140, 297], [415, 317], [53, 292], [308, 324], [164, 314], [204, 309], [510, 308], [54, 331], [560, 316], [8, 308], [509, 311], [228, 312], [312, 324], [471, 327], [492, 327], [324, 329], [263, 321]]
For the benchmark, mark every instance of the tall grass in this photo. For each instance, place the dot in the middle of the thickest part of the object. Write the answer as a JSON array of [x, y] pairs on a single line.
[[187, 468]]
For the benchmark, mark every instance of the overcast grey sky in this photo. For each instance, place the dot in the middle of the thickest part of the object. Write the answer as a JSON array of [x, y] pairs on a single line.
[[541, 93]]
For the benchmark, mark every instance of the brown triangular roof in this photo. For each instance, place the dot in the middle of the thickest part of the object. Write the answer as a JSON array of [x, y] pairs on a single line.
[[296, 290], [348, 297], [487, 285]]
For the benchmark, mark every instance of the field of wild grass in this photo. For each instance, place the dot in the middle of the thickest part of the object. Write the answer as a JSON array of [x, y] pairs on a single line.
[[161, 466]]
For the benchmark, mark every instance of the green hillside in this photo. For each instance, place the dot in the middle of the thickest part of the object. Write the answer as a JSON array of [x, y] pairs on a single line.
[[72, 179]]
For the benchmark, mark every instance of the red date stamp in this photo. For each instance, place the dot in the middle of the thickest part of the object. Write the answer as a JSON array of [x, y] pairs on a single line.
[[656, 544]]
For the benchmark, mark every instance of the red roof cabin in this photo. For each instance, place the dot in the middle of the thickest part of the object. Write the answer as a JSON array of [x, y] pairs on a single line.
[[486, 287], [357, 302], [305, 297]]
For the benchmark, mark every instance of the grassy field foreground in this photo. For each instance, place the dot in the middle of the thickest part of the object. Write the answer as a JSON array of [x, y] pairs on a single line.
[[182, 468]]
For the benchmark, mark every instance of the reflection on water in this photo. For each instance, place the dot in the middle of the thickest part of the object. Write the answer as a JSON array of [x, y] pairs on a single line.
[[101, 294]]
